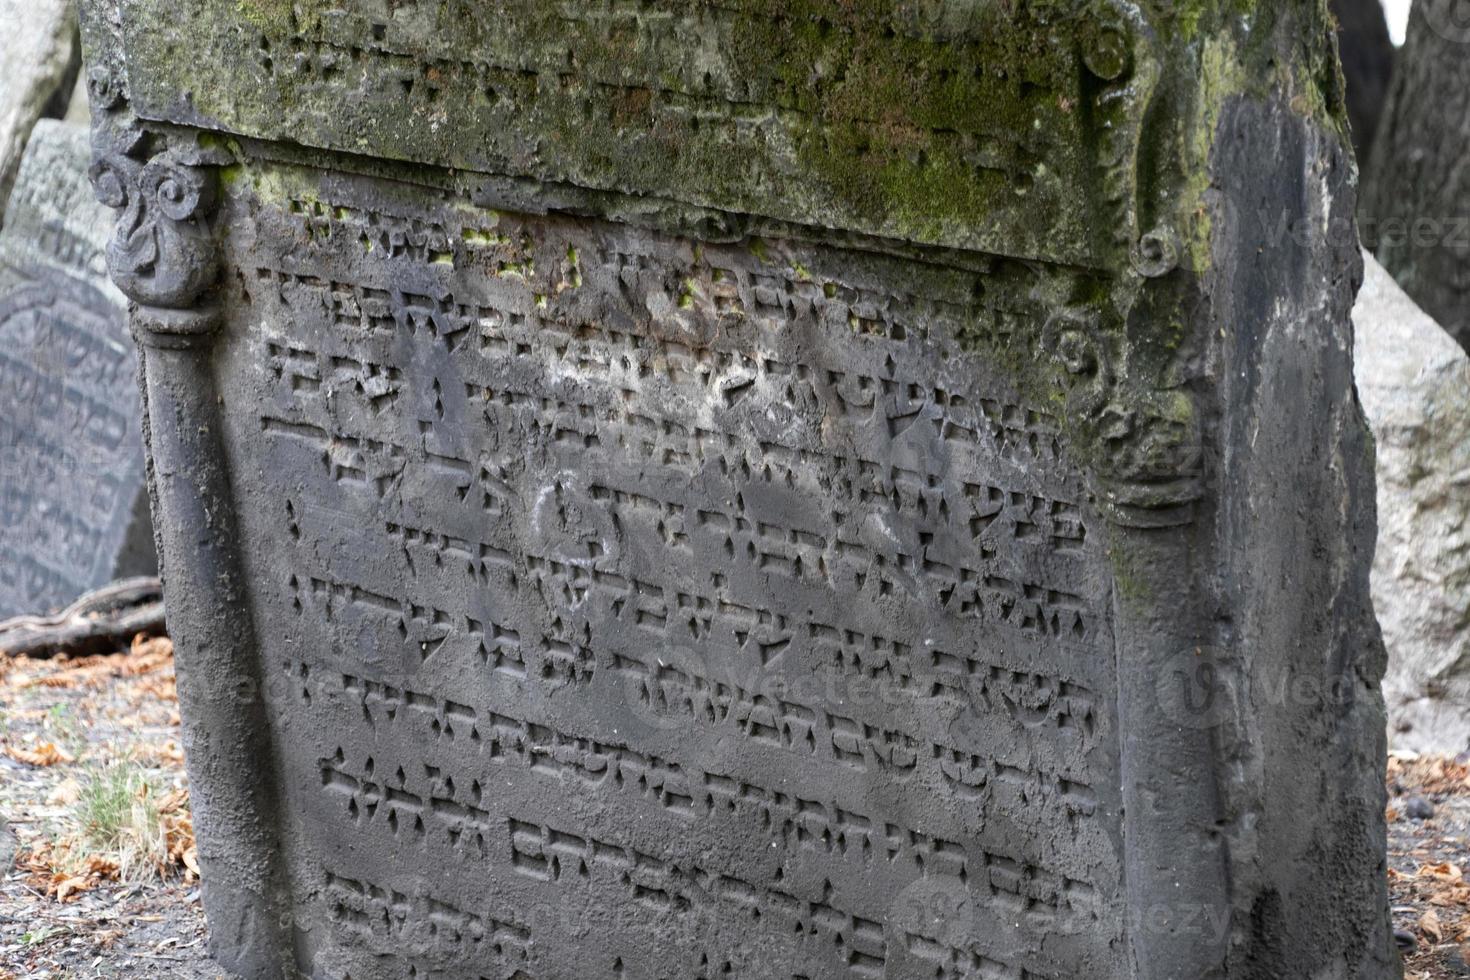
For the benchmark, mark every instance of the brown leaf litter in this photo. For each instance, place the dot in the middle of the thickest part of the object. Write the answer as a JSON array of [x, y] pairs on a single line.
[[94, 801]]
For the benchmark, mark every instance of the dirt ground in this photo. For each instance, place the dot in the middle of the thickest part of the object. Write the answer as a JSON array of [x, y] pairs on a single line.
[[76, 734], [95, 836], [1429, 853]]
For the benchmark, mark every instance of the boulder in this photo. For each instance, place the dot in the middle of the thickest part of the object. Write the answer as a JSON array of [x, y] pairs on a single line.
[[39, 56], [1414, 381]]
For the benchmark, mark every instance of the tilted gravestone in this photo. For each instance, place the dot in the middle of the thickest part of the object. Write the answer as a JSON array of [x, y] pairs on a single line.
[[73, 507], [817, 489]]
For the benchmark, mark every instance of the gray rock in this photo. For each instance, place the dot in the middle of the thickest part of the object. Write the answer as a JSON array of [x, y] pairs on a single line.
[[79, 109], [73, 506], [1414, 380], [8, 846], [1418, 808], [39, 57]]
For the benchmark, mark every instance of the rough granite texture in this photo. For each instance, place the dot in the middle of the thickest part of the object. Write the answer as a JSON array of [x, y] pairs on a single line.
[[38, 61], [75, 512], [1415, 384], [802, 490]]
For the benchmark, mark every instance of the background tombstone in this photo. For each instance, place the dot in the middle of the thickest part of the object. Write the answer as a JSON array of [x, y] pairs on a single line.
[[1367, 66], [679, 490], [1415, 384], [39, 59], [75, 511], [1416, 204]]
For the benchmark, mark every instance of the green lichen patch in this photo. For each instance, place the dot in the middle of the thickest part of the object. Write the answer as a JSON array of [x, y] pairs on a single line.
[[965, 126]]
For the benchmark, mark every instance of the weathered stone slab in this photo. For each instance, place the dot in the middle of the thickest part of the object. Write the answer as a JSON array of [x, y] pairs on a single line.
[[853, 114], [75, 509], [1415, 384], [736, 489], [38, 59]]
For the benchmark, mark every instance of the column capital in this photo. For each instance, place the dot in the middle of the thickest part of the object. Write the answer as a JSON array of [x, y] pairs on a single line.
[[164, 253]]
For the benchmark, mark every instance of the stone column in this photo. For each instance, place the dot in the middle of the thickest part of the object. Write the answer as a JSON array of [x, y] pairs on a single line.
[[165, 258]]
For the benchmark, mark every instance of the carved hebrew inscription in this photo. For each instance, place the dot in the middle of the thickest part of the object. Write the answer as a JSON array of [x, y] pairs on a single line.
[[720, 591], [69, 443], [73, 513], [696, 489], [946, 121]]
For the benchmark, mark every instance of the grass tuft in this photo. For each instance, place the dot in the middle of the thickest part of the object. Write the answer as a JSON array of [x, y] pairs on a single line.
[[118, 815]]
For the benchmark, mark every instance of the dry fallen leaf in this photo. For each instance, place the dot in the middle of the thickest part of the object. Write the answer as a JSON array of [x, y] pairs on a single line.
[[160, 690], [174, 801], [50, 680], [67, 792], [103, 865], [45, 754], [36, 860], [1444, 871], [28, 716], [69, 888], [1430, 927], [147, 655], [107, 937]]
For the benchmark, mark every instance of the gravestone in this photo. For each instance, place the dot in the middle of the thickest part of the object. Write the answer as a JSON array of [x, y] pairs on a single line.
[[1415, 384], [39, 58], [801, 490], [1367, 54], [1416, 201], [75, 510]]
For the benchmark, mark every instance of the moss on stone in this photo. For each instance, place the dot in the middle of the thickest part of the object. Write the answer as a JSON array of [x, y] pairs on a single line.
[[863, 119], [1130, 583], [841, 113]]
